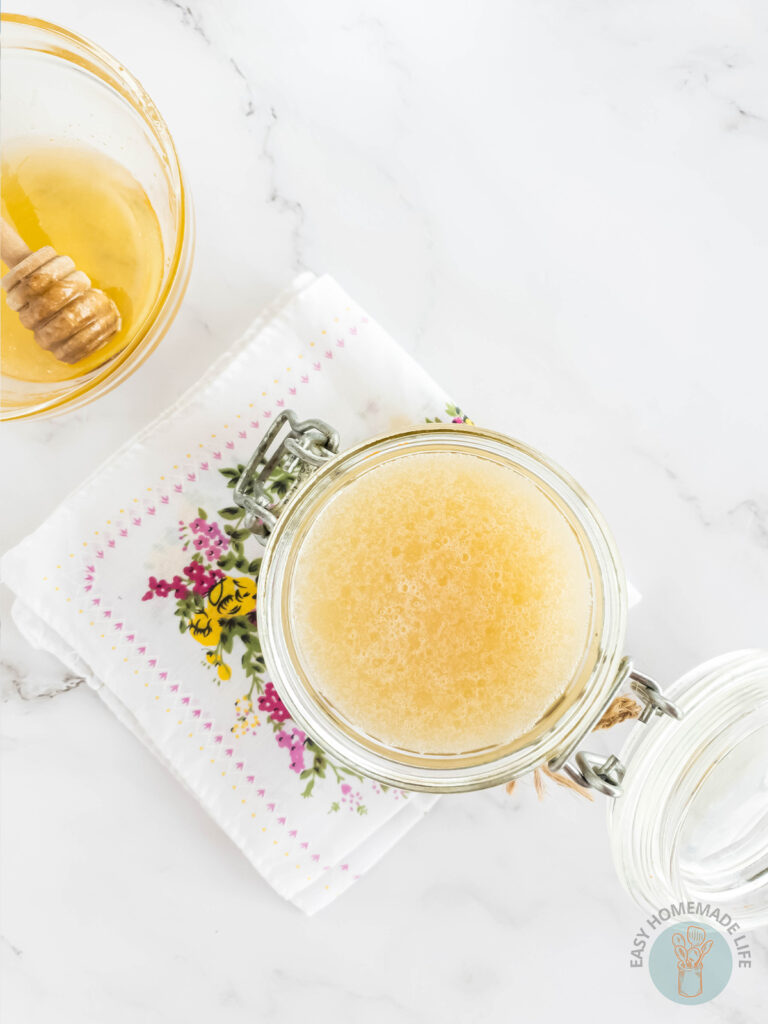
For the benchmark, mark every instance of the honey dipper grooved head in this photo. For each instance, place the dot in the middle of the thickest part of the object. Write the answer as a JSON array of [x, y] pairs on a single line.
[[55, 300]]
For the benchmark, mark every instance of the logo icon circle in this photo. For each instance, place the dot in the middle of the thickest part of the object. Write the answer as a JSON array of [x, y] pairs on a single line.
[[690, 963]]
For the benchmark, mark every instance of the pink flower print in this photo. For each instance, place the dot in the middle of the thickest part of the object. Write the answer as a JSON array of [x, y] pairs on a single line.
[[179, 590], [294, 741], [162, 588], [218, 545], [209, 538], [195, 572], [270, 703], [157, 588], [202, 579]]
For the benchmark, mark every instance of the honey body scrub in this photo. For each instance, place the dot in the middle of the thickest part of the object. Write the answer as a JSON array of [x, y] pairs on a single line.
[[441, 602], [88, 206]]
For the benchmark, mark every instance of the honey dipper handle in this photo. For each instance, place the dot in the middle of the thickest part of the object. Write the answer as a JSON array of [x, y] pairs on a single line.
[[13, 248]]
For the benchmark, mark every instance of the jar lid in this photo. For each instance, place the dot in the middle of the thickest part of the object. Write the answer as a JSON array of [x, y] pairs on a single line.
[[692, 823]]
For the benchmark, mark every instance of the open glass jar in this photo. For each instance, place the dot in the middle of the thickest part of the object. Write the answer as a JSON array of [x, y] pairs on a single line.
[[557, 732], [692, 821], [693, 817]]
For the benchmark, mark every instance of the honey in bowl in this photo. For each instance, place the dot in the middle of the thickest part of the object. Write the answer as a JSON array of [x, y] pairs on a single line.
[[88, 206], [441, 603]]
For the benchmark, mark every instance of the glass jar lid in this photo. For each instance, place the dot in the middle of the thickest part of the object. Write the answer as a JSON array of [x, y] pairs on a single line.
[[692, 821]]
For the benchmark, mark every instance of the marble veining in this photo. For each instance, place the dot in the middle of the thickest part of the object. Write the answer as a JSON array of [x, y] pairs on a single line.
[[560, 210]]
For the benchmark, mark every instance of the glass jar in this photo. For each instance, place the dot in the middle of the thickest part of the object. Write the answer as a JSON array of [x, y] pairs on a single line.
[[602, 668], [57, 86], [692, 819]]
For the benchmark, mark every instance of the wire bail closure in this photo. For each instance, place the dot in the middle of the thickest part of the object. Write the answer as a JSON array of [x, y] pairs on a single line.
[[278, 468], [606, 774]]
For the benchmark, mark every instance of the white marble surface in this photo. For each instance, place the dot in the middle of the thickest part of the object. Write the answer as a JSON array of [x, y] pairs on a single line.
[[573, 191]]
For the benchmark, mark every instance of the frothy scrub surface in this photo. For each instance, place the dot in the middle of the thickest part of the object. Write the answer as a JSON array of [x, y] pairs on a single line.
[[441, 602]]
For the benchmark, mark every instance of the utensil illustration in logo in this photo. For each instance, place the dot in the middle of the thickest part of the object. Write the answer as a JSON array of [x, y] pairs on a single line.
[[690, 952], [696, 935]]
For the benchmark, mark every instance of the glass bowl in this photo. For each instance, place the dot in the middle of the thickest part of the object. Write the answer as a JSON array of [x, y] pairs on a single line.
[[57, 86]]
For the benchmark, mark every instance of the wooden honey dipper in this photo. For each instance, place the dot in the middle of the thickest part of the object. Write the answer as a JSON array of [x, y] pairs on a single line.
[[55, 300]]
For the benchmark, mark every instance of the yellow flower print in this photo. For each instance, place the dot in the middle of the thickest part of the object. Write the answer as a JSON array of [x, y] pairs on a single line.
[[245, 725], [224, 671], [233, 596], [247, 720], [244, 705], [205, 629]]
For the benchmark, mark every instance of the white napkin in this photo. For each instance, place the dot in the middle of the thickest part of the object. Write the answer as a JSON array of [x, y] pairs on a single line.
[[100, 582], [90, 587]]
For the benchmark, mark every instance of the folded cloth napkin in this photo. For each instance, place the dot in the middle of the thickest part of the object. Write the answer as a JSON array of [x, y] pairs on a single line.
[[114, 584]]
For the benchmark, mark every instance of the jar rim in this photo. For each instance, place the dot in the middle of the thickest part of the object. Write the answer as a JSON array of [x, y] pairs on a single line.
[[562, 727]]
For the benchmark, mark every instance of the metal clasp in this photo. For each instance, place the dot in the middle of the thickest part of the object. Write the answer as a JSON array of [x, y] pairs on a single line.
[[278, 467], [651, 697], [606, 774]]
